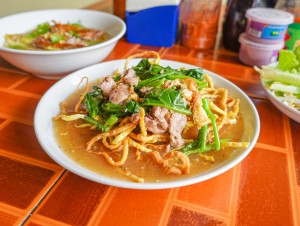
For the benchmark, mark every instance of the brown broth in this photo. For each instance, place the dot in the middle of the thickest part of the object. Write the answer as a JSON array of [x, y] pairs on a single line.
[[73, 141]]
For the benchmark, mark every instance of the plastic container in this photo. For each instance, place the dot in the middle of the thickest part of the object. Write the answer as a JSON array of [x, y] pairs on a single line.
[[199, 23], [235, 21], [152, 22], [257, 54], [266, 25]]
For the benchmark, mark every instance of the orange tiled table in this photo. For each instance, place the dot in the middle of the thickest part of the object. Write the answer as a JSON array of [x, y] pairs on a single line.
[[264, 189]]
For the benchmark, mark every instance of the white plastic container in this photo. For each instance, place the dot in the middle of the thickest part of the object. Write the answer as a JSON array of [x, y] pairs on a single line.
[[257, 54], [267, 25]]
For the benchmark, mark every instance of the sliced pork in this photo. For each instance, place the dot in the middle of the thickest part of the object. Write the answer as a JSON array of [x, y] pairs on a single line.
[[107, 85], [153, 125], [119, 94], [162, 115], [177, 123], [130, 77]]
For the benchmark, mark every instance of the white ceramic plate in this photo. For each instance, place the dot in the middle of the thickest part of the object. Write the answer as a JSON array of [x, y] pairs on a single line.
[[48, 107], [284, 108]]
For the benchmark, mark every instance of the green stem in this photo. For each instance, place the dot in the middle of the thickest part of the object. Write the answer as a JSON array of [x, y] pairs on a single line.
[[202, 138], [96, 123], [206, 108]]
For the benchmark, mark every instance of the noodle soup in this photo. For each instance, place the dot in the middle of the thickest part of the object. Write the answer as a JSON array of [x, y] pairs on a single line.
[[150, 123]]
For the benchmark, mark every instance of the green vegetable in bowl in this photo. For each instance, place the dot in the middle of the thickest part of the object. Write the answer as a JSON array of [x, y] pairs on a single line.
[[283, 78], [56, 36]]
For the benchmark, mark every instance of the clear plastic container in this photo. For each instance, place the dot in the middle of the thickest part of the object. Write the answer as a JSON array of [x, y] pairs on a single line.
[[199, 23], [257, 54], [266, 25]]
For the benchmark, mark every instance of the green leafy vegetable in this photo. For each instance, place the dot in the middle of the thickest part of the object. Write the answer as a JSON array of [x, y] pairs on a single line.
[[118, 110], [274, 74], [285, 88], [99, 125], [196, 73], [287, 60], [168, 98], [93, 100], [41, 29], [112, 120], [56, 38], [151, 74], [198, 145]]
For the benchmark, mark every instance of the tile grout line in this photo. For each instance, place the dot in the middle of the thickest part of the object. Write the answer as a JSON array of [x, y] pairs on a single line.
[[130, 52], [5, 123], [15, 119], [12, 210], [30, 160], [21, 81], [46, 221], [47, 191], [103, 206], [14, 71], [164, 218], [202, 209], [21, 93], [271, 148], [292, 174], [235, 195]]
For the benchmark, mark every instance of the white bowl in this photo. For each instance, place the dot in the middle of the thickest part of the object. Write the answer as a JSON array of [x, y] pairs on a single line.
[[284, 108], [48, 107], [56, 64]]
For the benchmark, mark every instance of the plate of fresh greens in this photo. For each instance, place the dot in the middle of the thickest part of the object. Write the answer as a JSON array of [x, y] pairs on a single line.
[[282, 82]]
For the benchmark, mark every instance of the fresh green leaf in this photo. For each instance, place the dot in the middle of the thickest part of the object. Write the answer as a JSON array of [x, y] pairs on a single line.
[[41, 29], [117, 77], [93, 100], [287, 60], [56, 38], [118, 110], [132, 107], [113, 108], [196, 73], [297, 53], [168, 98]]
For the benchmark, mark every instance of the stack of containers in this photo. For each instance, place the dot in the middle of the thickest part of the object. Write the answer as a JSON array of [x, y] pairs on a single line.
[[264, 36], [152, 22]]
